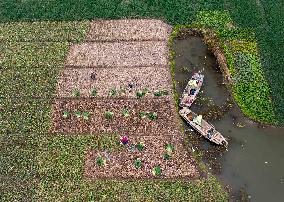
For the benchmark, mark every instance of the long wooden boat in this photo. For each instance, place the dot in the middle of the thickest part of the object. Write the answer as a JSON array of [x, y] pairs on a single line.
[[191, 90], [204, 128]]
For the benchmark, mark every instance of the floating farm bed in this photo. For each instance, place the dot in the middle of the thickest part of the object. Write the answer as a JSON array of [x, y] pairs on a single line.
[[119, 54], [134, 29], [127, 116], [160, 157], [119, 82]]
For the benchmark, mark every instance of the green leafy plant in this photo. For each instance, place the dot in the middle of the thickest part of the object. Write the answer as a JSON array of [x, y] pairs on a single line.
[[77, 114], [142, 93], [142, 115], [65, 114], [86, 115], [156, 171], [101, 161], [139, 94], [94, 92], [165, 92], [153, 116], [122, 91], [108, 115], [166, 156], [140, 146], [170, 148], [113, 92], [158, 93], [137, 163], [126, 112], [75, 93], [161, 93]]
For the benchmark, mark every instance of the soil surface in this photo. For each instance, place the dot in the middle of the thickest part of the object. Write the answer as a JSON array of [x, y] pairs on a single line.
[[121, 165], [136, 29], [125, 81], [147, 53], [165, 124]]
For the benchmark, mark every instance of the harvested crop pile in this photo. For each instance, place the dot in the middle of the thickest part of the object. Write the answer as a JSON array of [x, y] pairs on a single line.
[[119, 54], [134, 29], [123, 82], [160, 157], [142, 117]]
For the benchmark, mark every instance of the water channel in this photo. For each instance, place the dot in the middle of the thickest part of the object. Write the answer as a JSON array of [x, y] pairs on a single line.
[[254, 161]]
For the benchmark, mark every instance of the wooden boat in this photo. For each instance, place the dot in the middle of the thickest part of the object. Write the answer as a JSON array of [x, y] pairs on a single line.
[[191, 90], [204, 128]]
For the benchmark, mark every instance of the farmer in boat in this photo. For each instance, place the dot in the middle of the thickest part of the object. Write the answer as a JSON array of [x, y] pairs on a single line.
[[210, 133]]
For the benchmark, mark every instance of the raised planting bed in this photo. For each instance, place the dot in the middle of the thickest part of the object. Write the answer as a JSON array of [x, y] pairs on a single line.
[[117, 82], [141, 117], [119, 54], [134, 29], [150, 162]]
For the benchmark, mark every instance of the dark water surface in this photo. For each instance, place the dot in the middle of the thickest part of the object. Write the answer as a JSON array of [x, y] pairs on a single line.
[[255, 157]]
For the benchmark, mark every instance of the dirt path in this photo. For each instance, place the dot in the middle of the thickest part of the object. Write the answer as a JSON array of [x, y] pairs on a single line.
[[120, 78]]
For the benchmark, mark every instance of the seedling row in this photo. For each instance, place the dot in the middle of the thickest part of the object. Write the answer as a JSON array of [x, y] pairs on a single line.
[[125, 82], [130, 116]]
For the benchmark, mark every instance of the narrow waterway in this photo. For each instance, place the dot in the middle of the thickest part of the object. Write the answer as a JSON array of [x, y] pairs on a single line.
[[254, 161]]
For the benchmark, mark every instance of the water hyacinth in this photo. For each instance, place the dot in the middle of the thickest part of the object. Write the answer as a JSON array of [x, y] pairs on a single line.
[[124, 140]]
